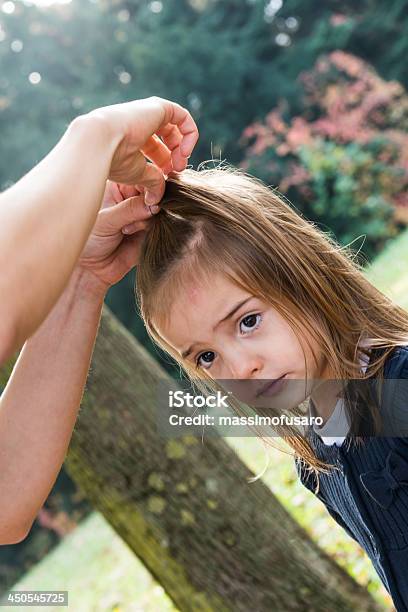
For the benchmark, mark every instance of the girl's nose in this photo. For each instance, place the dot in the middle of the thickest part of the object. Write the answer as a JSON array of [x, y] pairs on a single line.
[[245, 367]]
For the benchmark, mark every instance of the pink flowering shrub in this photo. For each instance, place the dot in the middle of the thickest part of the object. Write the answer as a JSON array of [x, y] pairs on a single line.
[[344, 161]]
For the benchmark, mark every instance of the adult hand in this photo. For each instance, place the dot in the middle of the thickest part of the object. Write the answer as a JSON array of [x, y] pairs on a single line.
[[114, 244], [46, 232], [154, 128]]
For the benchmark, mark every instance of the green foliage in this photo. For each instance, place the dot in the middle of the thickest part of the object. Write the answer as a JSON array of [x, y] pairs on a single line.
[[229, 62], [370, 29], [206, 56], [343, 160], [348, 197]]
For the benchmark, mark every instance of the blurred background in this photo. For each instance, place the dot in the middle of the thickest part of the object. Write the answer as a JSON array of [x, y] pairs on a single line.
[[310, 96]]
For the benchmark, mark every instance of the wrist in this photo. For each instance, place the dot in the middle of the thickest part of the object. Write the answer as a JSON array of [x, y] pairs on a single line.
[[87, 285], [95, 129]]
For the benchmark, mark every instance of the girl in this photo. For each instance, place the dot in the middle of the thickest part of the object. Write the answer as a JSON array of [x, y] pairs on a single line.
[[234, 284]]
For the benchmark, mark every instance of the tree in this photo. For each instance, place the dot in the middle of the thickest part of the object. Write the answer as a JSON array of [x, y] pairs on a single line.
[[373, 30]]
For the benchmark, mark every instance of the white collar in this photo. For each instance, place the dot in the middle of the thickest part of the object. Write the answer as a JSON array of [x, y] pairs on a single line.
[[338, 420]]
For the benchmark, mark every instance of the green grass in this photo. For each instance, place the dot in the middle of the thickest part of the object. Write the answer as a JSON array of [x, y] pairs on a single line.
[[389, 272], [101, 573]]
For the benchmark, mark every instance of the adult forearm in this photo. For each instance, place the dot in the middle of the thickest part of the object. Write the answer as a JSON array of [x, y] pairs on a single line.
[[40, 404], [57, 203]]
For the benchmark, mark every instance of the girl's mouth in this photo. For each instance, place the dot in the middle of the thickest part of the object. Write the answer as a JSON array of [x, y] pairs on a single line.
[[272, 387]]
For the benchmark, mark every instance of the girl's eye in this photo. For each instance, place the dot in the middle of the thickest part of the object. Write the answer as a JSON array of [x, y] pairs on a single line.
[[205, 358], [251, 322]]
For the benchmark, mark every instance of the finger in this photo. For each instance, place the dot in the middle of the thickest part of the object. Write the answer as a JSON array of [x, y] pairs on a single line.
[[112, 194], [130, 211], [155, 150], [179, 116], [152, 179], [117, 192], [128, 191], [172, 138], [137, 226]]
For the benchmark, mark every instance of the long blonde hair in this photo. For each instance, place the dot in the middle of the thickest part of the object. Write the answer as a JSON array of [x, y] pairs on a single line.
[[221, 220]]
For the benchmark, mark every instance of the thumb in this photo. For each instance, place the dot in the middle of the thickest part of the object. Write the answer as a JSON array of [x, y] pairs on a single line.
[[132, 211]]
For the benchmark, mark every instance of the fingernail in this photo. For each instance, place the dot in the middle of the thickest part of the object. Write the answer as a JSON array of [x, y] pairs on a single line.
[[154, 209], [150, 199], [127, 229]]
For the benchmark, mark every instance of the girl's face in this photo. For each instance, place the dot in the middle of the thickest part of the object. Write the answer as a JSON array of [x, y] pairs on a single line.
[[231, 334]]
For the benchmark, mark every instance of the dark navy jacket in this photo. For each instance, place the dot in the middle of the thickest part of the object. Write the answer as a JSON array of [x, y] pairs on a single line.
[[368, 495]]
